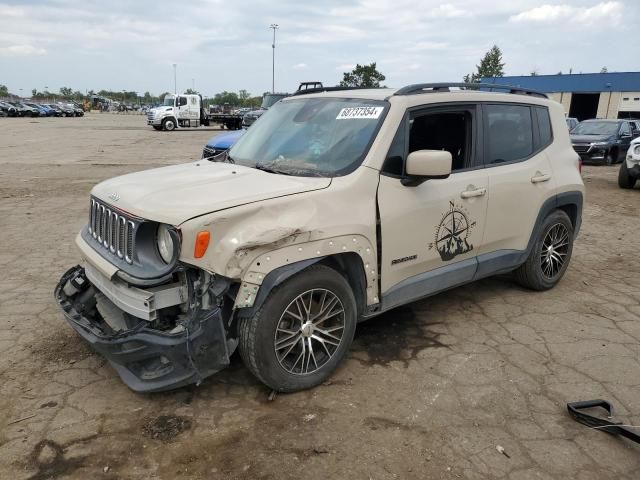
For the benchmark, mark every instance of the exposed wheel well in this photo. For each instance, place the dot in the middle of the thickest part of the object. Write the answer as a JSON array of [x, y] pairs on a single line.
[[351, 267], [348, 264], [571, 209]]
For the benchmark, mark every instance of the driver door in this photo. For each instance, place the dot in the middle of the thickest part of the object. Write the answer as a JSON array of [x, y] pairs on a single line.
[[430, 232]]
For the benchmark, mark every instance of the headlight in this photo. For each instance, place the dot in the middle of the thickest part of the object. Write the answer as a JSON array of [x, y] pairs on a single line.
[[599, 144], [636, 149], [165, 243]]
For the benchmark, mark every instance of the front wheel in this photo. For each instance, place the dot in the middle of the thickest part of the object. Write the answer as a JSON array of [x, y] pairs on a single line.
[[624, 179], [168, 124], [302, 331], [550, 255]]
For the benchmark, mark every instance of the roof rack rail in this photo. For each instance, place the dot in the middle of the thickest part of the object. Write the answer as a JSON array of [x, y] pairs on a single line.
[[446, 87], [327, 89]]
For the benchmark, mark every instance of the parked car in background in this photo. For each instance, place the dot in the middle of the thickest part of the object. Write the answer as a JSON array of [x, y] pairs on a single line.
[[24, 110], [221, 143], [268, 100], [571, 122], [66, 110], [57, 111], [44, 111], [630, 169], [603, 141], [8, 109]]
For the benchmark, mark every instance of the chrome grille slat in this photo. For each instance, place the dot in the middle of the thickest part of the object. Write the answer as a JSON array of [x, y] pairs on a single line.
[[112, 230]]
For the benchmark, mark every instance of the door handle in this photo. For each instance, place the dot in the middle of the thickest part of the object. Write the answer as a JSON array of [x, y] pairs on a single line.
[[540, 177], [473, 192]]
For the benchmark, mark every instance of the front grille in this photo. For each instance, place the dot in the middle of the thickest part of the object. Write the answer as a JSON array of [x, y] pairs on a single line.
[[212, 152], [112, 230], [581, 148], [150, 115]]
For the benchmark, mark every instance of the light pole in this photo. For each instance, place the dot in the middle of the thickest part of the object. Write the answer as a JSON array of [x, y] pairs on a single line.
[[175, 88], [273, 26]]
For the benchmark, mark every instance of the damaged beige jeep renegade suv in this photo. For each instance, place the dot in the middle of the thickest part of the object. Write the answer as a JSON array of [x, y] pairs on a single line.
[[336, 206]]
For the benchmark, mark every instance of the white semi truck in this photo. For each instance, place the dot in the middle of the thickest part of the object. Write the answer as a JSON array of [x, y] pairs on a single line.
[[187, 111]]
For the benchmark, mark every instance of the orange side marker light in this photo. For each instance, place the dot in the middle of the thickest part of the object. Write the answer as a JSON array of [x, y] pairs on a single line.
[[202, 243]]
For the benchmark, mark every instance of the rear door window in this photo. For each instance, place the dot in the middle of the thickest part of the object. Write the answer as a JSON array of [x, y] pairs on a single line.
[[509, 133]]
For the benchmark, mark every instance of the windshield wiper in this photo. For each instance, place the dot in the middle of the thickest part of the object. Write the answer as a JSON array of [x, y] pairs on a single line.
[[267, 168]]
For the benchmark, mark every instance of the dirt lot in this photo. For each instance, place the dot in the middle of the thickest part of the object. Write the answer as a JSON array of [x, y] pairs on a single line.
[[428, 391]]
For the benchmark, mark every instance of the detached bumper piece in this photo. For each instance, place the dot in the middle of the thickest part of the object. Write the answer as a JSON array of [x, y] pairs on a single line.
[[575, 410], [147, 360]]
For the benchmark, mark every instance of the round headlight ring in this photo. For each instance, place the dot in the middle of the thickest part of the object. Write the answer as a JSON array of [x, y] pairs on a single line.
[[164, 240]]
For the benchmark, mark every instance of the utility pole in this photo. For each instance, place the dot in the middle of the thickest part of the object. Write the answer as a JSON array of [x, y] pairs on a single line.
[[273, 26], [175, 88]]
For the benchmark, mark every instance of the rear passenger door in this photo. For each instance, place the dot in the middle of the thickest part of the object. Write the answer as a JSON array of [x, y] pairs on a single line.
[[520, 179]]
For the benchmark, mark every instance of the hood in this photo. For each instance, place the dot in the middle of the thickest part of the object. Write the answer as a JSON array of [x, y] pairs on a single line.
[[589, 138], [226, 140], [178, 193]]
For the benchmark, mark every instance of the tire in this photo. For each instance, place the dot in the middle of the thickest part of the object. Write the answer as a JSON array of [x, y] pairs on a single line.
[[624, 179], [157, 127], [273, 325], [609, 159], [169, 124], [543, 269]]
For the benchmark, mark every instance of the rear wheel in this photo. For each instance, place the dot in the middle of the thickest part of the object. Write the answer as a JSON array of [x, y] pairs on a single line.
[[624, 179], [550, 255], [302, 331]]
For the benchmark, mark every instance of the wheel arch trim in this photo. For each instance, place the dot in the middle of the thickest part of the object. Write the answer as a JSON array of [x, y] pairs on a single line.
[[351, 255]]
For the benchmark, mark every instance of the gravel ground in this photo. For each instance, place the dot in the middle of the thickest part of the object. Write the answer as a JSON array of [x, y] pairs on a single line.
[[428, 391]]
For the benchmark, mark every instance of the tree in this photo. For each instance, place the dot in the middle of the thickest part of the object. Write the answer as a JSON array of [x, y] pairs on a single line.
[[491, 65], [66, 92], [190, 91], [366, 76], [604, 70], [226, 97], [4, 91], [243, 96], [34, 92], [534, 72]]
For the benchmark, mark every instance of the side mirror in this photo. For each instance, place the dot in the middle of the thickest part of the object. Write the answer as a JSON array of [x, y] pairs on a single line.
[[625, 135], [426, 164]]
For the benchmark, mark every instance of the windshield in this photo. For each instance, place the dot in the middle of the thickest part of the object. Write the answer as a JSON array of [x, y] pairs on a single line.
[[168, 101], [270, 98], [310, 137], [595, 128]]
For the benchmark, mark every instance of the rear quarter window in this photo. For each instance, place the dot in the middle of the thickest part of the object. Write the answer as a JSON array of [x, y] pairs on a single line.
[[545, 134]]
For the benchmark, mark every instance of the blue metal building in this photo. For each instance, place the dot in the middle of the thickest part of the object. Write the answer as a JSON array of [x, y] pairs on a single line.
[[586, 95]]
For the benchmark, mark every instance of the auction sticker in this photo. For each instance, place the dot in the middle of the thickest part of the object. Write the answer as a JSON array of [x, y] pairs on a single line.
[[359, 112]]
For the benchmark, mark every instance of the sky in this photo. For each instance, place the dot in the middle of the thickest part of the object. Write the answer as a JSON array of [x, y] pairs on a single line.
[[224, 45]]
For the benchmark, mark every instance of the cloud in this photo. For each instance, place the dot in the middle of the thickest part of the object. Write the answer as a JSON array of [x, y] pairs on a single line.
[[346, 67], [424, 46], [21, 51], [300, 66], [605, 11], [446, 10]]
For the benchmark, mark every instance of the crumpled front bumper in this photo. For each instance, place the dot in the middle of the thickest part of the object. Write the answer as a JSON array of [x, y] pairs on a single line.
[[150, 360]]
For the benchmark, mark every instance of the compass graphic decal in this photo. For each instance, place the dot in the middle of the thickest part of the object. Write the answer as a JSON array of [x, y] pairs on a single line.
[[452, 234]]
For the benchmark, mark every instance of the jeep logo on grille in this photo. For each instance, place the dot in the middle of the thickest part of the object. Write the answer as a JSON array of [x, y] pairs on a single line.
[[114, 196]]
